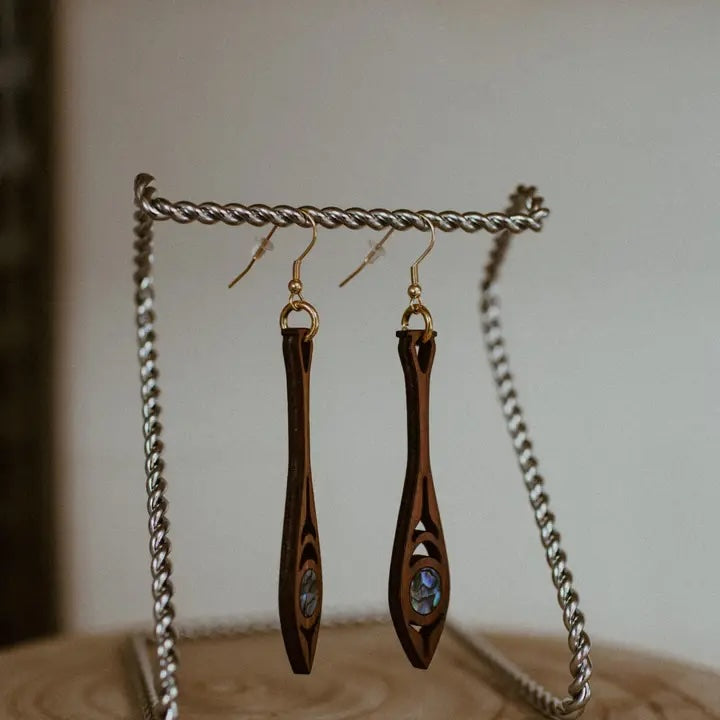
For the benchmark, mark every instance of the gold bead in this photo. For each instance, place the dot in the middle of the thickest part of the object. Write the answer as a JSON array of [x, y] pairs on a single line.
[[414, 291], [295, 287]]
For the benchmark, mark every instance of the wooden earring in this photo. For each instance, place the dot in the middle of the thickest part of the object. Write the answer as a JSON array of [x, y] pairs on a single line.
[[300, 580], [419, 584]]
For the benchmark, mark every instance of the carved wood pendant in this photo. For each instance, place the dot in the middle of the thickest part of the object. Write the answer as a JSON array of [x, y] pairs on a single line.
[[419, 586], [300, 584]]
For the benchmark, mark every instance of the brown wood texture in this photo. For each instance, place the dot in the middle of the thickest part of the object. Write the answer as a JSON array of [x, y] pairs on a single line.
[[300, 565], [361, 674], [419, 545]]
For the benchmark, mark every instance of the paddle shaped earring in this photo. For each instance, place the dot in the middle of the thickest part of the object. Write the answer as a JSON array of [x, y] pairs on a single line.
[[419, 582], [300, 580]]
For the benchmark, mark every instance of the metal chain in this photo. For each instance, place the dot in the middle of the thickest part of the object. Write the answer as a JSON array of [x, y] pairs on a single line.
[[525, 212], [572, 706], [210, 213]]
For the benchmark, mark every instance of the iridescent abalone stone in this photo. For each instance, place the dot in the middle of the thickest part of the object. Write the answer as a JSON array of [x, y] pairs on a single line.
[[425, 590], [308, 593]]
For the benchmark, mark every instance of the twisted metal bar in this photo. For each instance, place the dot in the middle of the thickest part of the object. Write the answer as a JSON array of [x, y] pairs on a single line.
[[160, 566], [573, 705], [525, 212], [210, 213]]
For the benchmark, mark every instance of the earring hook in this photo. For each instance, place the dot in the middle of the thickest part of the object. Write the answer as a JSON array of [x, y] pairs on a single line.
[[368, 259], [426, 252], [264, 246], [416, 306], [295, 286]]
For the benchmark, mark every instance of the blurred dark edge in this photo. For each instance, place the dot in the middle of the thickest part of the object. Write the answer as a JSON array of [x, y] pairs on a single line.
[[28, 576]]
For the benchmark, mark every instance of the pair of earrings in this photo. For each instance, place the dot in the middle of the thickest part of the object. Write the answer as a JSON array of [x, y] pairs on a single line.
[[419, 580]]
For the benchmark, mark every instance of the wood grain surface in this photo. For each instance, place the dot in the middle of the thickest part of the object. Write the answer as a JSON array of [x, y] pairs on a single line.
[[360, 673], [300, 550], [419, 545]]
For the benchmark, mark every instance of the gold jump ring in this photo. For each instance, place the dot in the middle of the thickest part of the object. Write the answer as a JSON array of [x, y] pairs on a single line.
[[418, 309], [309, 309]]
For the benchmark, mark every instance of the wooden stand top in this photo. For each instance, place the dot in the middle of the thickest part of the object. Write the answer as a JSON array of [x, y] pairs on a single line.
[[360, 672]]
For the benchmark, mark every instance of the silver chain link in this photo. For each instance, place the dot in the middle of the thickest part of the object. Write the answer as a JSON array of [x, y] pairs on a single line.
[[572, 706], [525, 212]]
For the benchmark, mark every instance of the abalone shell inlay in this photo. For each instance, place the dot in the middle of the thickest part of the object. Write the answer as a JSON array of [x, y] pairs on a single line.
[[308, 593], [425, 590]]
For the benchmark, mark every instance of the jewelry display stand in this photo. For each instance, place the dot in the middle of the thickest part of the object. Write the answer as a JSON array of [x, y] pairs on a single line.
[[153, 662]]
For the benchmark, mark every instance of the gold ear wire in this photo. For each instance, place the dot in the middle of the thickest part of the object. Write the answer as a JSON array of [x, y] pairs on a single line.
[[262, 249], [414, 290], [368, 258], [376, 249], [416, 306], [426, 252], [295, 285]]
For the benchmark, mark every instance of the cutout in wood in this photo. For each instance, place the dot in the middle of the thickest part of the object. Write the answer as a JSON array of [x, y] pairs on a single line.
[[306, 348], [421, 549], [425, 352]]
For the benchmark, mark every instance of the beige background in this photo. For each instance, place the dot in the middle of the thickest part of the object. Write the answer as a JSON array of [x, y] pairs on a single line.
[[611, 313]]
